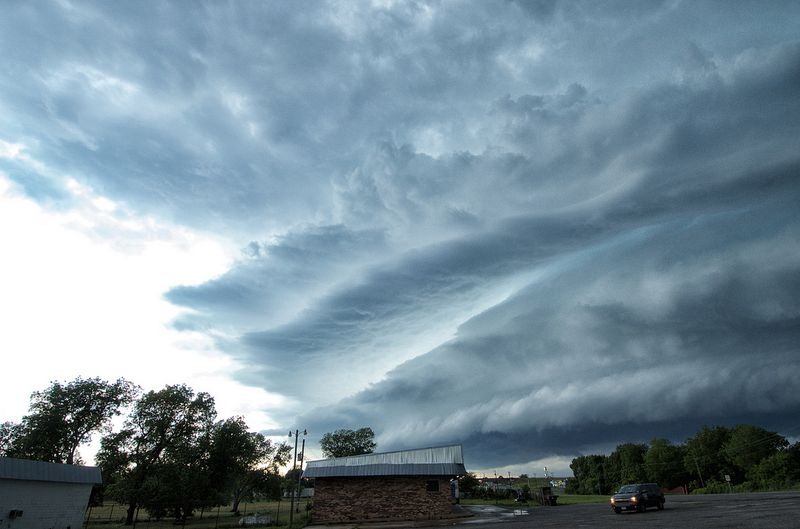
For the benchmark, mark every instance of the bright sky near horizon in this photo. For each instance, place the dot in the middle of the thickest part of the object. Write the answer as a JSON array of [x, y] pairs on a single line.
[[507, 224]]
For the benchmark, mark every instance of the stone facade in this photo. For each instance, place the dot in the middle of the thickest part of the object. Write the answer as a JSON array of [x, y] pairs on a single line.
[[343, 499]]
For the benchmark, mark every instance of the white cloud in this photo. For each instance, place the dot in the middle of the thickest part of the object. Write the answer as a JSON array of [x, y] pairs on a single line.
[[75, 304]]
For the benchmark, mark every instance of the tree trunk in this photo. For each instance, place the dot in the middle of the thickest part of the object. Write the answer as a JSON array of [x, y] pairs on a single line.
[[130, 513], [235, 507]]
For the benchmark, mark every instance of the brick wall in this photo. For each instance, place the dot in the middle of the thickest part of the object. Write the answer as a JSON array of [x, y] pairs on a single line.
[[44, 505], [380, 498]]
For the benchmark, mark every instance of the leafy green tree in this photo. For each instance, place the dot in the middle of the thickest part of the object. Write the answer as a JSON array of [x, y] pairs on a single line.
[[164, 440], [344, 442], [626, 465], [258, 482], [242, 462], [704, 456], [773, 472], [293, 481], [176, 487], [748, 445], [663, 463], [525, 492], [794, 462], [8, 435], [467, 484], [65, 415], [589, 475], [760, 455]]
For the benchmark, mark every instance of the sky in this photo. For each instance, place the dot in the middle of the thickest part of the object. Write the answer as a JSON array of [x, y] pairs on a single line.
[[538, 229]]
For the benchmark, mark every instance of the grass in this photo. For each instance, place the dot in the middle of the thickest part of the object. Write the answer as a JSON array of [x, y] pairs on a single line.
[[112, 515], [575, 499]]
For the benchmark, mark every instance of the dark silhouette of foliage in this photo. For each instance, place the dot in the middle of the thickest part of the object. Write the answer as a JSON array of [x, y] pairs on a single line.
[[348, 442], [626, 465], [705, 458], [467, 484], [744, 452], [663, 464], [590, 475], [244, 462], [64, 416], [748, 445], [163, 442]]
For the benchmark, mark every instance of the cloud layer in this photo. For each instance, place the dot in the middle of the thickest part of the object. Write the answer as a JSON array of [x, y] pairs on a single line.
[[508, 224]]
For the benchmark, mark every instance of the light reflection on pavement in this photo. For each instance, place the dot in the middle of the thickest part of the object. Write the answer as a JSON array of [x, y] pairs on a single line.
[[491, 513]]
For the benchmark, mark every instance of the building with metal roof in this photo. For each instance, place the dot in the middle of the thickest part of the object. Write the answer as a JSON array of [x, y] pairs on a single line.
[[408, 484], [36, 494], [438, 461]]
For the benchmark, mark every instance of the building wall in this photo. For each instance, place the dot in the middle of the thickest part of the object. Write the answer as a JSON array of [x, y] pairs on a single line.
[[380, 498], [44, 505]]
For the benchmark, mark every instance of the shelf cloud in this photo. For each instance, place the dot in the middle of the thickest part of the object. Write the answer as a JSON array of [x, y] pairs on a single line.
[[513, 225]]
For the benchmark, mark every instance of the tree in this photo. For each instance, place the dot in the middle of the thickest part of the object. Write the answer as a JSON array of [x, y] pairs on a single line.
[[343, 442], [773, 472], [793, 462], [163, 442], [468, 484], [626, 464], [589, 475], [257, 482], [244, 462], [663, 463], [748, 445], [762, 456], [292, 482], [8, 435], [704, 456], [64, 416]]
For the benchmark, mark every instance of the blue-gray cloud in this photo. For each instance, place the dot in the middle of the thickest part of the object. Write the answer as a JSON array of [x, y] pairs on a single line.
[[695, 317], [498, 223]]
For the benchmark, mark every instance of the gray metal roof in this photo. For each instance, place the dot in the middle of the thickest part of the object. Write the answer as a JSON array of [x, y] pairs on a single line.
[[437, 461], [26, 469]]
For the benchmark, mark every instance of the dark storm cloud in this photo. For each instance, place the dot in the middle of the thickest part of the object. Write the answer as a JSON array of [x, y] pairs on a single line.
[[672, 287], [695, 316], [685, 293], [498, 222], [362, 321]]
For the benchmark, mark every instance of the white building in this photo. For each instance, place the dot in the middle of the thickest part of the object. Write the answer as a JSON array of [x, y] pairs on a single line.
[[39, 495]]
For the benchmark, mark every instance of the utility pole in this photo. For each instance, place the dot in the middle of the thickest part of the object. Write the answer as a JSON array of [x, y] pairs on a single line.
[[294, 467], [702, 484], [300, 474]]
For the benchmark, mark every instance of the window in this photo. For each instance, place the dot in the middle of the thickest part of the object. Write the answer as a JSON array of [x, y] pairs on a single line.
[[432, 485]]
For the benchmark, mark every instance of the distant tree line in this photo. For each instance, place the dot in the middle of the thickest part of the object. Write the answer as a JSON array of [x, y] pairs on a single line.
[[750, 456], [171, 455]]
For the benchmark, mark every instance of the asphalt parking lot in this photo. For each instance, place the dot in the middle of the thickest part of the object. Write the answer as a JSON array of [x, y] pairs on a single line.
[[778, 510]]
